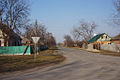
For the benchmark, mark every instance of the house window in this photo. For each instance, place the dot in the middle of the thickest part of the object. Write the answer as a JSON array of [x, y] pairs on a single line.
[[106, 37], [102, 37]]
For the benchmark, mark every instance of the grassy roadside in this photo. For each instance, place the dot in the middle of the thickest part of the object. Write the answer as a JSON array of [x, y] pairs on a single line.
[[102, 52], [15, 63]]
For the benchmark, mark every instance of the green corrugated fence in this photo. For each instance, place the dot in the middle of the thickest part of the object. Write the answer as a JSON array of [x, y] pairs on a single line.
[[42, 47], [20, 50]]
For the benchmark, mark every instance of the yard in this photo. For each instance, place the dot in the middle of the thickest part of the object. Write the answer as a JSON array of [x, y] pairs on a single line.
[[14, 63]]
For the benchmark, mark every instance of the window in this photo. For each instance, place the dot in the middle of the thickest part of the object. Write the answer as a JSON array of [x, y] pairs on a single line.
[[106, 37], [102, 37]]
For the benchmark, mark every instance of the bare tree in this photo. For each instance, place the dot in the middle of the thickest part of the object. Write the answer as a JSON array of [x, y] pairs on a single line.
[[116, 16], [14, 13], [50, 40], [84, 31], [39, 30], [35, 30], [2, 9], [29, 32], [42, 32], [68, 41]]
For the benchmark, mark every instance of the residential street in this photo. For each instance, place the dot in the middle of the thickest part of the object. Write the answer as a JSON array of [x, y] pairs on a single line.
[[79, 65]]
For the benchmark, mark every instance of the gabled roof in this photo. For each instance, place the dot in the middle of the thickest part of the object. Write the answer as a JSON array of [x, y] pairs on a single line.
[[117, 37], [24, 39], [95, 38], [5, 29]]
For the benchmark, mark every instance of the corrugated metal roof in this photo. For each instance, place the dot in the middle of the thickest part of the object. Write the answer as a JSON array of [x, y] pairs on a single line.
[[95, 38]]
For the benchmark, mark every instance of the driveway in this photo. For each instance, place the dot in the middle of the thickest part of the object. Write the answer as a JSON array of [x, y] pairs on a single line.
[[79, 65]]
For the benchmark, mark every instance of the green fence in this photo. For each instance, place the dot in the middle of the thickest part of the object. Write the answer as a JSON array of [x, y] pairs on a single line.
[[17, 50]]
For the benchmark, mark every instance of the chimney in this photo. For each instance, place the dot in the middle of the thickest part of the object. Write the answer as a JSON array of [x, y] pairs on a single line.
[[94, 34]]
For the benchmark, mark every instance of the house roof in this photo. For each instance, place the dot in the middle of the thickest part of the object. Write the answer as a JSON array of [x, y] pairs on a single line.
[[95, 38], [5, 29], [24, 40], [117, 37]]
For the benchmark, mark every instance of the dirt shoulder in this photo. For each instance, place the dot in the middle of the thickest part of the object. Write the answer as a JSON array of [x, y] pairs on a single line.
[[16, 63], [102, 52]]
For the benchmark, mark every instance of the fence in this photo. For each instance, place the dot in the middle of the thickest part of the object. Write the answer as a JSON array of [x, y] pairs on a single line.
[[20, 50], [108, 47], [111, 47], [17, 50]]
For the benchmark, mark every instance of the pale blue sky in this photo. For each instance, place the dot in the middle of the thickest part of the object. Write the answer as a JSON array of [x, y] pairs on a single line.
[[59, 16]]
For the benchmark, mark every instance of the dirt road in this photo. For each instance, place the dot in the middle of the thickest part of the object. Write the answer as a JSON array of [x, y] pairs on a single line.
[[79, 65]]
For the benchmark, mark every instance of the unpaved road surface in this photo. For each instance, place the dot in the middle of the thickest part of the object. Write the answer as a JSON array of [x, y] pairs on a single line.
[[79, 65]]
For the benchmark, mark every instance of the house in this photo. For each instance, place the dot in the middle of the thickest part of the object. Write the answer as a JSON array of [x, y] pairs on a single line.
[[99, 39], [8, 37], [116, 39]]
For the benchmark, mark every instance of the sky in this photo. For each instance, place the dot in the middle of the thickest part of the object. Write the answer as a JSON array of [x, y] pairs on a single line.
[[59, 16]]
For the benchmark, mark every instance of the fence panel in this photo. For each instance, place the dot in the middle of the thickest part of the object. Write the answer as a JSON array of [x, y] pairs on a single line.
[[111, 47], [17, 50]]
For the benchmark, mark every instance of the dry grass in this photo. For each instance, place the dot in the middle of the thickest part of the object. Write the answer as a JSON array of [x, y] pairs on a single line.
[[103, 52], [14, 63]]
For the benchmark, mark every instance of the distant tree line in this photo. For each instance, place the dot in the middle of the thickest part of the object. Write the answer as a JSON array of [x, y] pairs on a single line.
[[68, 41]]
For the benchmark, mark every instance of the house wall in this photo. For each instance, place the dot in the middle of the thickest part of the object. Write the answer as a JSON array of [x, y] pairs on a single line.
[[116, 42], [0, 34], [111, 47], [90, 46], [11, 42], [108, 47], [14, 42], [104, 38], [2, 42], [84, 45], [1, 38]]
